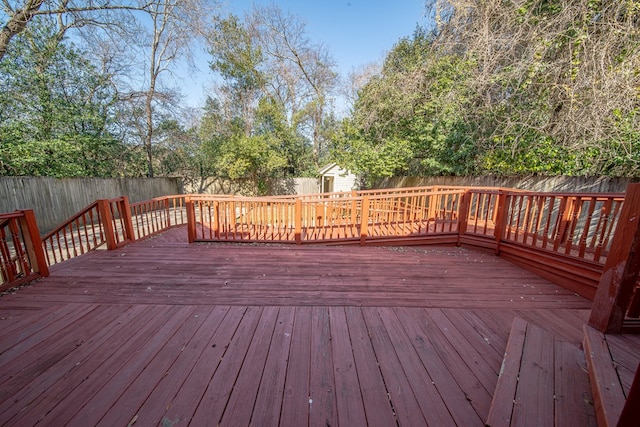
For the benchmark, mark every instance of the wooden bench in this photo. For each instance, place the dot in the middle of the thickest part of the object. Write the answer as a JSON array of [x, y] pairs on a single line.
[[543, 382]]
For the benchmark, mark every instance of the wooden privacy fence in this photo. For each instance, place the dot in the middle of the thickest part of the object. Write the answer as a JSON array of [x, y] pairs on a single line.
[[21, 256]]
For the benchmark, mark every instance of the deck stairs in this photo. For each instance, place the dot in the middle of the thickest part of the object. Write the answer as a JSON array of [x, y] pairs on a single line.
[[543, 382]]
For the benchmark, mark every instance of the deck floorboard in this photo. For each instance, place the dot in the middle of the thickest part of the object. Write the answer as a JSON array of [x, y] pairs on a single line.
[[165, 333]]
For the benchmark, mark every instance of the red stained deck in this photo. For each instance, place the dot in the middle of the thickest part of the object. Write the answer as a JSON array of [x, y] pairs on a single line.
[[166, 333]]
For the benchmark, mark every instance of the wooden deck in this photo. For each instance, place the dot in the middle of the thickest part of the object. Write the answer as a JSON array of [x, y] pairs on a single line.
[[165, 333]]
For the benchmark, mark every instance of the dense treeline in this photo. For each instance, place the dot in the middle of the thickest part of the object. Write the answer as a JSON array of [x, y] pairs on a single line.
[[506, 87], [489, 86]]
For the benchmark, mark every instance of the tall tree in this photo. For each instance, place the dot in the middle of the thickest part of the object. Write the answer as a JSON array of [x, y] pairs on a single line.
[[267, 61], [169, 34], [56, 110], [18, 14], [304, 77]]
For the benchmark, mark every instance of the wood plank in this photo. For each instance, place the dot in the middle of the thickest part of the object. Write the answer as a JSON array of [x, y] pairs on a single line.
[[268, 405], [484, 347], [239, 408], [413, 357], [423, 385], [185, 403], [60, 379], [534, 404], [125, 409], [378, 408], [608, 396], [349, 400], [63, 400], [136, 361], [485, 370], [295, 404], [501, 411], [214, 401], [572, 398], [153, 409], [461, 399], [34, 334], [322, 394], [403, 399]]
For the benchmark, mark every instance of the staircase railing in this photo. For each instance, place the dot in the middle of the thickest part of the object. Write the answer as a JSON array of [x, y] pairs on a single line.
[[21, 256]]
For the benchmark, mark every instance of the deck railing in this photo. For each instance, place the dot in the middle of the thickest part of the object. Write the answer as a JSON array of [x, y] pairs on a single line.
[[21, 256], [566, 237], [153, 216], [104, 222]]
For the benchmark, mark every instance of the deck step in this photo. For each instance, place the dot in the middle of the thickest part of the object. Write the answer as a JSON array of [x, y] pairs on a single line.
[[543, 381], [608, 393]]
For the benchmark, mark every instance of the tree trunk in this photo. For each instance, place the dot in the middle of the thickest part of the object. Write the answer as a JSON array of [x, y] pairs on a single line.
[[17, 24]]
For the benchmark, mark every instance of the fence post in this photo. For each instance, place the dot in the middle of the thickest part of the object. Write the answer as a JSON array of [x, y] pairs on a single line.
[[106, 219], [364, 220], [501, 219], [191, 220], [33, 243], [298, 221], [463, 214], [127, 219], [620, 269]]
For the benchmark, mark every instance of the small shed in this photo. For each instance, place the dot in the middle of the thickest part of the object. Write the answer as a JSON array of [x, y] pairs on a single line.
[[333, 179]]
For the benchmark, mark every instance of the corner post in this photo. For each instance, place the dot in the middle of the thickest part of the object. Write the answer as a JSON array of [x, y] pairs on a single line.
[[364, 220], [463, 214], [104, 209], [191, 219], [298, 221], [127, 219], [620, 269], [33, 243], [501, 219]]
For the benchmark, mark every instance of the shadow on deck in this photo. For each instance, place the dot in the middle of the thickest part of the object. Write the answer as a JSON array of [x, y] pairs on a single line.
[[165, 333]]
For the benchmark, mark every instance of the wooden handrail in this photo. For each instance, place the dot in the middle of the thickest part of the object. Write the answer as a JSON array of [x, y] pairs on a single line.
[[21, 256], [574, 229]]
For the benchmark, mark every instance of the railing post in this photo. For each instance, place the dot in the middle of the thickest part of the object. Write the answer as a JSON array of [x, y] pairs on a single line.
[[104, 209], [33, 243], [191, 220], [298, 221], [167, 210], [463, 214], [620, 269], [216, 219], [501, 219], [364, 220], [127, 219]]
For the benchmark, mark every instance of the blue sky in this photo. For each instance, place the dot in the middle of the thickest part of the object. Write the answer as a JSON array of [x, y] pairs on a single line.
[[356, 32]]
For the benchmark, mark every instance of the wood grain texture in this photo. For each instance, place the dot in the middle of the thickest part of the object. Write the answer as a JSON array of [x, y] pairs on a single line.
[[164, 333]]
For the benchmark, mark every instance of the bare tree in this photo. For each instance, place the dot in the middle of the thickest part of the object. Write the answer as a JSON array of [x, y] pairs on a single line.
[[171, 34], [70, 13], [305, 79]]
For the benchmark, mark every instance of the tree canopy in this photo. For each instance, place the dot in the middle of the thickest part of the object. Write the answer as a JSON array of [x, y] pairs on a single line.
[[544, 87], [514, 87]]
